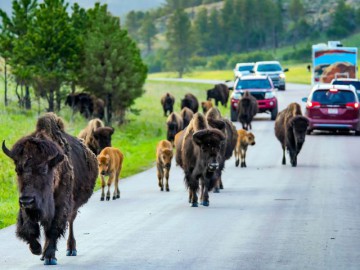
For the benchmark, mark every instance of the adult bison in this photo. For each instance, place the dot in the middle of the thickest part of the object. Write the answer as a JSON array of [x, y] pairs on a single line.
[[220, 93], [247, 108], [191, 102], [186, 115], [56, 174], [88, 105], [174, 124], [167, 101], [96, 136], [214, 119], [290, 130], [199, 147]]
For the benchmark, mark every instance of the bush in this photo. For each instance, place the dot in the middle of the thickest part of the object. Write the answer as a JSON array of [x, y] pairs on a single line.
[[218, 62], [301, 55]]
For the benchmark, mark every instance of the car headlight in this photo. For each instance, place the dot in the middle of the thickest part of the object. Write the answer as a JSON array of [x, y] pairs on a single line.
[[269, 95], [282, 76], [236, 95]]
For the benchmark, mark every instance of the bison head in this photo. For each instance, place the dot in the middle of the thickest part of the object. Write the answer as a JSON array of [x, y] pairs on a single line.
[[104, 164], [103, 136], [35, 162], [186, 103], [166, 157], [210, 94], [173, 128], [210, 142], [299, 125]]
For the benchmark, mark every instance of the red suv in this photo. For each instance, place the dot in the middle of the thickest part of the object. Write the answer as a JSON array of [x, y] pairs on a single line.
[[333, 107], [262, 88]]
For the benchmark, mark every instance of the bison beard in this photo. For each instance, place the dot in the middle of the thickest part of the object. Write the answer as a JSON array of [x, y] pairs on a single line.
[[56, 175]]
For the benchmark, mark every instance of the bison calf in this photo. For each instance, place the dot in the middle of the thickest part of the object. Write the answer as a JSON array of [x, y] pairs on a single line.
[[206, 105], [244, 139], [110, 162], [164, 155]]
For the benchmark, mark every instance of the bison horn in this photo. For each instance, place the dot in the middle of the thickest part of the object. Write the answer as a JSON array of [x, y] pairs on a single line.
[[6, 150]]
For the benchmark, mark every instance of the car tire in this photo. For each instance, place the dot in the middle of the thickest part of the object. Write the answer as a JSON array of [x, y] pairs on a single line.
[[282, 88], [233, 114], [274, 113], [357, 132]]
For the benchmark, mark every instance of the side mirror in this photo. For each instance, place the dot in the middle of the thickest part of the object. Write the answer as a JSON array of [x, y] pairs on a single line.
[[286, 70], [252, 71], [305, 99]]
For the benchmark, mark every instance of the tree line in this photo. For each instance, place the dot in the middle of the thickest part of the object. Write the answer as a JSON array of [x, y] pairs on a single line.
[[240, 26], [47, 47]]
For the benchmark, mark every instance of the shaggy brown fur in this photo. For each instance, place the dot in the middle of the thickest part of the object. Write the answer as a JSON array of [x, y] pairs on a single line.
[[164, 155], [243, 141], [174, 124], [290, 130], [96, 136], [110, 162], [186, 115], [206, 105], [191, 102], [220, 93], [56, 174], [247, 108], [88, 105], [200, 157], [167, 101]]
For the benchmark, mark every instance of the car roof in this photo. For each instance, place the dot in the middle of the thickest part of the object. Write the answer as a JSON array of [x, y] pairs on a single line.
[[254, 77], [267, 62], [333, 86], [245, 64], [346, 80]]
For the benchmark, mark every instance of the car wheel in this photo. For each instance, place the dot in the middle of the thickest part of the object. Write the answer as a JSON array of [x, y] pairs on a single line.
[[282, 88], [274, 113], [233, 114], [357, 132]]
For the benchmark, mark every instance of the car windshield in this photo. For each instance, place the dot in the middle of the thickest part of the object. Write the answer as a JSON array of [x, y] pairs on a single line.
[[326, 97], [246, 68], [253, 84], [269, 67], [356, 84]]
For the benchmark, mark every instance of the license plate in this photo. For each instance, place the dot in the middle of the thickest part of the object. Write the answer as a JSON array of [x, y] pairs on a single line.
[[332, 111]]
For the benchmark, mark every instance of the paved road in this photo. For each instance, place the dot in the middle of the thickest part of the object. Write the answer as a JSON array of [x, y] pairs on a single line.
[[269, 216]]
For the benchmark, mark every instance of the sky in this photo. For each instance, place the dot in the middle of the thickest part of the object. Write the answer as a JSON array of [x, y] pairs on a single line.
[[116, 7]]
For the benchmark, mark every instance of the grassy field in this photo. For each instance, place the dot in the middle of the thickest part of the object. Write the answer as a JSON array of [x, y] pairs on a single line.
[[137, 139]]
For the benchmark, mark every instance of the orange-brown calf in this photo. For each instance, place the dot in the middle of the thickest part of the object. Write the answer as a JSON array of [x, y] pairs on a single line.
[[243, 141], [206, 105], [164, 155], [110, 162]]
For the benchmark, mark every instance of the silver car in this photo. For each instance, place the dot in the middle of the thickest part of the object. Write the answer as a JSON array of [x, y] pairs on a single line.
[[274, 70]]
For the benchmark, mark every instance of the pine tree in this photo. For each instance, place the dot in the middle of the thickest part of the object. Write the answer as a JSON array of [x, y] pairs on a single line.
[[148, 31]]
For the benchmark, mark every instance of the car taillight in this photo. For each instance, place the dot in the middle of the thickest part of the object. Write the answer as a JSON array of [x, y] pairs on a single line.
[[352, 105], [313, 104]]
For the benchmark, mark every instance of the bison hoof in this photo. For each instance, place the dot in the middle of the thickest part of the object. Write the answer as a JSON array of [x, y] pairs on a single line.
[[108, 198], [216, 190], [102, 198], [50, 261], [167, 189], [206, 204], [114, 197], [161, 189], [71, 252], [237, 163], [35, 248], [118, 196], [194, 204]]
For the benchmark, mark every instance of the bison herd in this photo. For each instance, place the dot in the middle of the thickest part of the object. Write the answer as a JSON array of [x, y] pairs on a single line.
[[57, 172]]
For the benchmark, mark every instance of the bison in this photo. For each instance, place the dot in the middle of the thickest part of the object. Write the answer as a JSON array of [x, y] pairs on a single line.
[[186, 115], [191, 102], [96, 136], [110, 162], [206, 105], [88, 105], [244, 140], [174, 124], [290, 130], [200, 153], [164, 155], [167, 102], [220, 93], [56, 174], [247, 108]]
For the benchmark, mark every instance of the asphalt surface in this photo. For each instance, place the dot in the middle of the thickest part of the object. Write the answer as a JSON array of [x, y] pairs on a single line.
[[269, 216]]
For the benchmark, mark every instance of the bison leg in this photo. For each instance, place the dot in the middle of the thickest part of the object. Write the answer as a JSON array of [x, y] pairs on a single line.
[[102, 188], [110, 180], [71, 242], [236, 152], [117, 179], [167, 172], [284, 158], [29, 231], [204, 194], [160, 175], [293, 158]]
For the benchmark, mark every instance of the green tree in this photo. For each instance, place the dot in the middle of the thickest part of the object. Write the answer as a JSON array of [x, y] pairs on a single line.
[[180, 41], [133, 22], [113, 67], [148, 31], [215, 44], [202, 32], [343, 21]]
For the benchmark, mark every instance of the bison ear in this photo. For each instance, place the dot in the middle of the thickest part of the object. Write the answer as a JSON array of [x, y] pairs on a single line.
[[199, 135], [219, 124], [6, 150], [112, 130], [53, 161]]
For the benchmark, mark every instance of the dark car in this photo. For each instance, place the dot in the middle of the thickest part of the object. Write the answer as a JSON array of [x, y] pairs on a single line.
[[348, 81], [333, 107], [262, 88]]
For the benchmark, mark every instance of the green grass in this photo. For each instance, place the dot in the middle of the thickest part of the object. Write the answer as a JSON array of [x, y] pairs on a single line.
[[137, 139]]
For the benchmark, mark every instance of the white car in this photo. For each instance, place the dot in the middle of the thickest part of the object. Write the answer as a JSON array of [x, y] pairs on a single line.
[[242, 69], [272, 69]]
